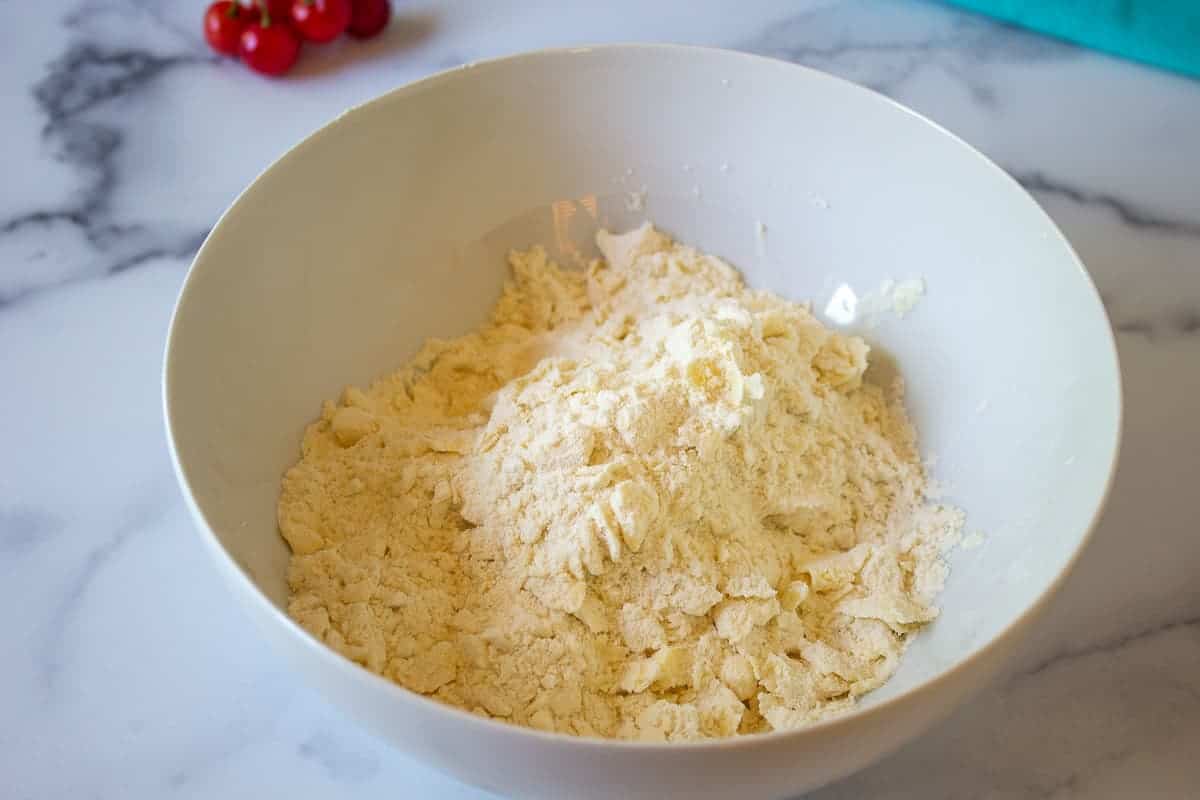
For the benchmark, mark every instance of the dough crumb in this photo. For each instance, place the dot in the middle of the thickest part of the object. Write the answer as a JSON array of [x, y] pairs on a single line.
[[643, 501], [894, 297]]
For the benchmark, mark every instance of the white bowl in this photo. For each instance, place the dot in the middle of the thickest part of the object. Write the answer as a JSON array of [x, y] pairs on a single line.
[[389, 225]]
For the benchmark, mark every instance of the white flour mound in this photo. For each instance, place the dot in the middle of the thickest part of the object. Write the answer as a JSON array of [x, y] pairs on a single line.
[[642, 502]]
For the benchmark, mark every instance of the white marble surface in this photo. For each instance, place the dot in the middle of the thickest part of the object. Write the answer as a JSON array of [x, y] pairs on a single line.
[[127, 673]]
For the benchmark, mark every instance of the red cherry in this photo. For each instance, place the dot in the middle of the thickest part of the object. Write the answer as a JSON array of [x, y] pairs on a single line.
[[223, 24], [320, 20], [368, 17], [269, 47]]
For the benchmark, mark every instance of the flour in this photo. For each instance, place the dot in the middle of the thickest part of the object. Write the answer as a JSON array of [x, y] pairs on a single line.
[[643, 502]]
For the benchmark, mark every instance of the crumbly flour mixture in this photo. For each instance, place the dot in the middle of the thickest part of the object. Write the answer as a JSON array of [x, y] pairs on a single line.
[[642, 502]]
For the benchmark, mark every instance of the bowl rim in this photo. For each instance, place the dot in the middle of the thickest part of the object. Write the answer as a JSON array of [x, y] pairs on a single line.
[[489, 726]]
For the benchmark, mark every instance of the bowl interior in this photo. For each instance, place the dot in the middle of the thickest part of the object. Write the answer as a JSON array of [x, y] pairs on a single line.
[[391, 225]]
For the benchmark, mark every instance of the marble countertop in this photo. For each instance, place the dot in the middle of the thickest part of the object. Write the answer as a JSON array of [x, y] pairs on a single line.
[[128, 673]]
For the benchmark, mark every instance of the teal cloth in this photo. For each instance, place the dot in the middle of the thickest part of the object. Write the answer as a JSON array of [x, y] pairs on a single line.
[[1165, 33]]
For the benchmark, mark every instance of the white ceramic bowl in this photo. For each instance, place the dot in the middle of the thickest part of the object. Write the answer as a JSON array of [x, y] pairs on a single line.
[[390, 224]]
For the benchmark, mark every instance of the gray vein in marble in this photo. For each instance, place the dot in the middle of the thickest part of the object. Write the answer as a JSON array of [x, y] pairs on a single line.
[[959, 44], [1072, 782], [85, 77], [150, 8], [1109, 646], [1128, 213], [88, 75], [1169, 321], [22, 529], [1185, 322], [342, 762], [50, 658]]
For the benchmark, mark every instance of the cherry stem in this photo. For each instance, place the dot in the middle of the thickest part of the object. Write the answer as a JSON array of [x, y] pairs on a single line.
[[265, 18]]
